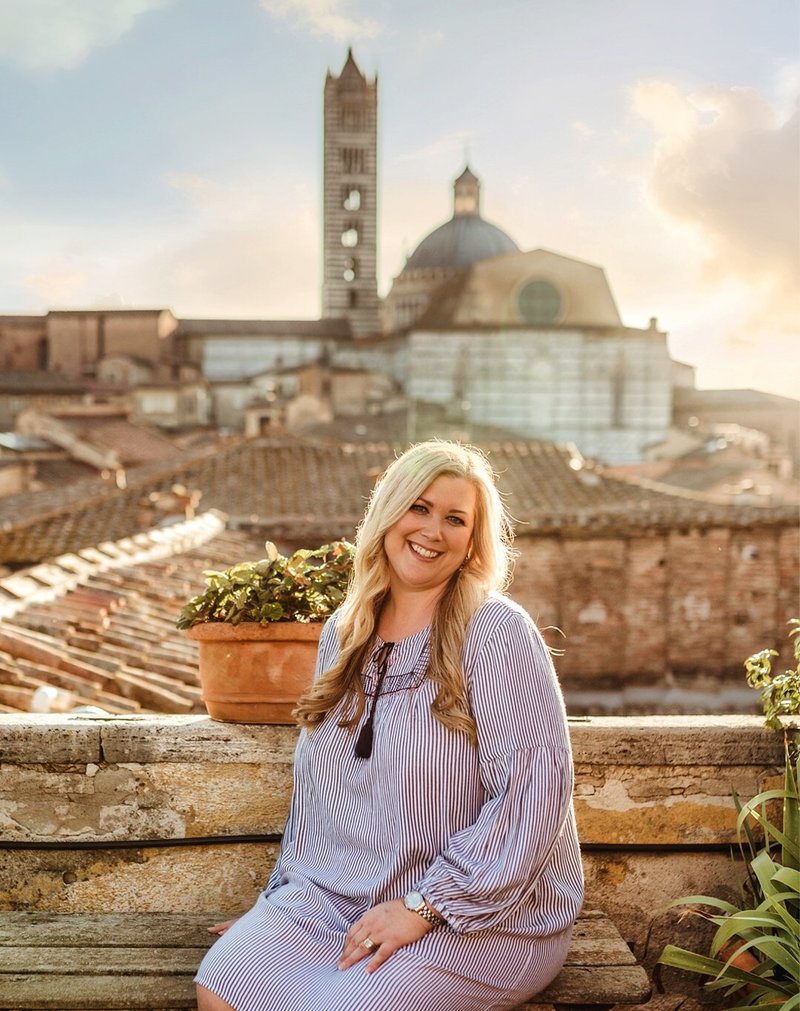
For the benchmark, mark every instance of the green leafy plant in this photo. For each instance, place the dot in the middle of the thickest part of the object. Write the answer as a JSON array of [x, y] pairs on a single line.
[[780, 693], [755, 952], [306, 586]]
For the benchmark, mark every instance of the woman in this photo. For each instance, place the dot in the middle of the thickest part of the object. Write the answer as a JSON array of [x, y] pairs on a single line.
[[430, 858]]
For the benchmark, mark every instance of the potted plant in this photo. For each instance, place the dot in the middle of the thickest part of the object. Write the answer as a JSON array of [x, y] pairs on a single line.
[[258, 626], [755, 951]]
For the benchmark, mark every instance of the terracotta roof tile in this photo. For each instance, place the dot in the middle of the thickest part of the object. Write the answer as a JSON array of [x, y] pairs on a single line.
[[299, 490], [108, 635]]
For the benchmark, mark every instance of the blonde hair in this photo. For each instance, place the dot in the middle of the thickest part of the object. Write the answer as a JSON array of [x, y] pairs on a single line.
[[487, 568]]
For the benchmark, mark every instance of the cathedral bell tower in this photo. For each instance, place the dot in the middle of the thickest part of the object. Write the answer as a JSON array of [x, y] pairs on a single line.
[[350, 242]]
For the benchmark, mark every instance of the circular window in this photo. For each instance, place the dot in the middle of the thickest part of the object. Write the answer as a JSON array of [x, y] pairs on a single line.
[[539, 302]]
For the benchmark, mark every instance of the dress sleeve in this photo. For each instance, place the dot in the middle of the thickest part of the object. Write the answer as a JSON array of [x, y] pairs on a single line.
[[526, 771]]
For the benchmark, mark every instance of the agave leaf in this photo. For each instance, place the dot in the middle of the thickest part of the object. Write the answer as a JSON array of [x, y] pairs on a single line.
[[703, 900], [775, 950], [744, 826], [757, 801], [753, 929], [782, 905], [790, 856], [792, 1004], [790, 877], [770, 829], [765, 869], [735, 926], [680, 958]]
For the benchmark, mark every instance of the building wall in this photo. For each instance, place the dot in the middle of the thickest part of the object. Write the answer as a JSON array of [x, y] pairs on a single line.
[[409, 297], [145, 335], [611, 395], [389, 357], [234, 358], [77, 341], [661, 608], [23, 343], [181, 406], [73, 343]]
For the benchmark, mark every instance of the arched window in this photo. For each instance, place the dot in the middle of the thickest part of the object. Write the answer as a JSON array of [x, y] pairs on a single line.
[[351, 198]]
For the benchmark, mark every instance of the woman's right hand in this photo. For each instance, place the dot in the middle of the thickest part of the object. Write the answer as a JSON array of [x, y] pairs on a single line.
[[220, 928]]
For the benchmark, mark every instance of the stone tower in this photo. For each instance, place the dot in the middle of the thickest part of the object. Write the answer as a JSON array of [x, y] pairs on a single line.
[[350, 246]]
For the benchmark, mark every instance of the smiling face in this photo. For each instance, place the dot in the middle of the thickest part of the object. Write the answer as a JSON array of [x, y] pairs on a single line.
[[431, 540]]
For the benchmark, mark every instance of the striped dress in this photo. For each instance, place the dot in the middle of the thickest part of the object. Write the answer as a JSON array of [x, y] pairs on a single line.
[[485, 832]]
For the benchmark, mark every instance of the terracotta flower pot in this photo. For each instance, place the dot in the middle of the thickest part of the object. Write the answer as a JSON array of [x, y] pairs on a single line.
[[252, 673], [743, 959]]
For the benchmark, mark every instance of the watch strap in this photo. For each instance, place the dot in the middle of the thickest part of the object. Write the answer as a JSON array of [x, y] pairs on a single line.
[[422, 907], [428, 913]]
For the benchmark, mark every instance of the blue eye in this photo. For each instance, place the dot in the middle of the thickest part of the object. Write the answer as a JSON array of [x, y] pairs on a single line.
[[417, 508], [456, 521]]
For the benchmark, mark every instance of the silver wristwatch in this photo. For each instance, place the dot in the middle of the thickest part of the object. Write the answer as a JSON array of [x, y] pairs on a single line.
[[415, 901]]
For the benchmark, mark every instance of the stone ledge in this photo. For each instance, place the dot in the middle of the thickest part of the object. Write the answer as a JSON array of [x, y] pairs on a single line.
[[639, 782], [599, 740]]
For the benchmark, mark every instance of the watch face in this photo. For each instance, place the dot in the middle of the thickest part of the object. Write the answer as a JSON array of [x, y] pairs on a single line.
[[414, 900]]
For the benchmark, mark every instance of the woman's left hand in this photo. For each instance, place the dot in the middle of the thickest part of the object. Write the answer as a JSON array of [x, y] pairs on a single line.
[[388, 926]]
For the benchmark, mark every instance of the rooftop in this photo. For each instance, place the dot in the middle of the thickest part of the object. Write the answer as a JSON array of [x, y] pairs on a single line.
[[100, 624], [298, 489], [458, 243]]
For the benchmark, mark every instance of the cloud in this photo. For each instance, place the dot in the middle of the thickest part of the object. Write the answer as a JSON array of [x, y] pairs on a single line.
[[58, 282], [323, 18], [56, 35], [725, 166]]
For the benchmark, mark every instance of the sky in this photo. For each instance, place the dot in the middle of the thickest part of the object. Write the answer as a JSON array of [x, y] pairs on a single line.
[[168, 153]]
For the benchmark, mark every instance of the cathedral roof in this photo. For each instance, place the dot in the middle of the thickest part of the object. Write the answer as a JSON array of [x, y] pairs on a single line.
[[466, 238], [459, 243], [492, 292]]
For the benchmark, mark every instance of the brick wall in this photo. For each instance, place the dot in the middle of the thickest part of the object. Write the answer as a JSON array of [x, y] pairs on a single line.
[[639, 607]]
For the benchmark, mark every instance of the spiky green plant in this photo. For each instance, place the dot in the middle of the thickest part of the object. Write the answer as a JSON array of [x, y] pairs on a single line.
[[769, 927]]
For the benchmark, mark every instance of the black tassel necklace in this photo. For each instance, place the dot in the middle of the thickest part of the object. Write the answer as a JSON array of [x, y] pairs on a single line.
[[364, 742]]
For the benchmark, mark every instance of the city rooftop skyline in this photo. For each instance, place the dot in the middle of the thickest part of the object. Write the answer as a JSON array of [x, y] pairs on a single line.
[[169, 153]]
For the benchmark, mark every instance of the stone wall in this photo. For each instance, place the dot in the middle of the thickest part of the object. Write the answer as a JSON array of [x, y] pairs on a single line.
[[652, 797], [639, 607], [608, 390]]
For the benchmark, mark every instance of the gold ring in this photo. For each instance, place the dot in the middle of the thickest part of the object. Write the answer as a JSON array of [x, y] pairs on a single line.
[[369, 944]]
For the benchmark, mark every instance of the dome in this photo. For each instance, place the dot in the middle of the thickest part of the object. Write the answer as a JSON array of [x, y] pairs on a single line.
[[458, 243], [466, 238]]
